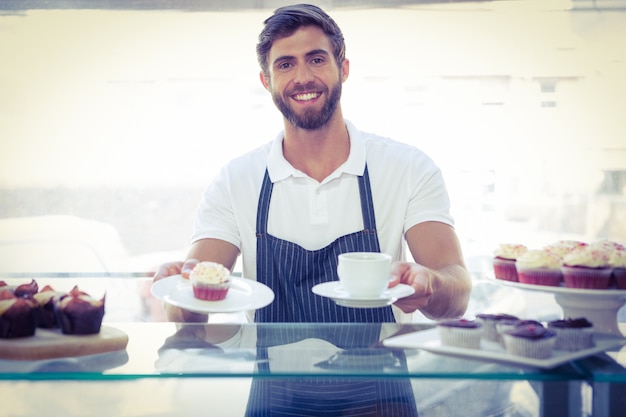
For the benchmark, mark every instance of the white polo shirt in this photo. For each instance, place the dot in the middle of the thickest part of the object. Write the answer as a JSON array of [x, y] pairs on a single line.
[[407, 189]]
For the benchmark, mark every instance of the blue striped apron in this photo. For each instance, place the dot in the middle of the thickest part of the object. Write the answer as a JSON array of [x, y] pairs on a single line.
[[291, 272]]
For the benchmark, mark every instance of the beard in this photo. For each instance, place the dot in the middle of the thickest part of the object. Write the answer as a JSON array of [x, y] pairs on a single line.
[[311, 119]]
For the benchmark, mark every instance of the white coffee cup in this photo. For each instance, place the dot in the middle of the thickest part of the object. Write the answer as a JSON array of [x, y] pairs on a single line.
[[364, 274]]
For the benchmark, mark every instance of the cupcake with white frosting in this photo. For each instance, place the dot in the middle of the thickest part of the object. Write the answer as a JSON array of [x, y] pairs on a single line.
[[617, 261], [539, 267], [504, 259], [588, 268], [562, 248], [210, 281]]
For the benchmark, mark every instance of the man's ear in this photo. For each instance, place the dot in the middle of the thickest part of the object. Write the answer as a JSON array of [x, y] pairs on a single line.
[[264, 80], [345, 70]]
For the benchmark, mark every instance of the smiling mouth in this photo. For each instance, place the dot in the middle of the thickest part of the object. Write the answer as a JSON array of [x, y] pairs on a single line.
[[306, 96]]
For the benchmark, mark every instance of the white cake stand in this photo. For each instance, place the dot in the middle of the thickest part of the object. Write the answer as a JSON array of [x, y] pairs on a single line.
[[598, 306]]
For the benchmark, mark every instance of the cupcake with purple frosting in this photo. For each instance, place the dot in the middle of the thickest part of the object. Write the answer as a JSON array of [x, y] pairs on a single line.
[[530, 341]]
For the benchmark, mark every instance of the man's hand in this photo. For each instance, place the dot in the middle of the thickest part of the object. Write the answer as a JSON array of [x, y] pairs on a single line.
[[416, 276], [174, 268], [173, 313]]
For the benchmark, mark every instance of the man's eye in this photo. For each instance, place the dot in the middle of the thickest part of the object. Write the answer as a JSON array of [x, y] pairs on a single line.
[[284, 65], [317, 60]]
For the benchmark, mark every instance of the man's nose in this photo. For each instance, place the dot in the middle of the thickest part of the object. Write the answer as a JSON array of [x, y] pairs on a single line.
[[304, 75]]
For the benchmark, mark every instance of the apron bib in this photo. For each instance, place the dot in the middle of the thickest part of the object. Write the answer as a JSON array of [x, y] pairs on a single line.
[[292, 271]]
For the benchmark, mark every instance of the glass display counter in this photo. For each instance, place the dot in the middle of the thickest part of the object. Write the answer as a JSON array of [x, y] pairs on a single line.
[[160, 368]]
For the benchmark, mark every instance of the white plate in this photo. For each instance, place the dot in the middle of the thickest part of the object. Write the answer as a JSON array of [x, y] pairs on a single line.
[[244, 294], [562, 289], [334, 290], [493, 351]]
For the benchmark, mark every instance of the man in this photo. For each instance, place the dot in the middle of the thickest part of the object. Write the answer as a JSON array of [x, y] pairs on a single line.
[[322, 188]]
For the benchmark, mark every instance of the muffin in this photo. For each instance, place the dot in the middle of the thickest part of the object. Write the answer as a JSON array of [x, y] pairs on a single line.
[[504, 259], [78, 313], [490, 322], [460, 333], [572, 334], [530, 341], [18, 315], [588, 268], [563, 247], [210, 281], [26, 290], [539, 267], [45, 301]]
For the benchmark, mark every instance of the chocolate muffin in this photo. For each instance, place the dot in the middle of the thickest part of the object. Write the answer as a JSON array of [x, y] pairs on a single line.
[[78, 313], [18, 315]]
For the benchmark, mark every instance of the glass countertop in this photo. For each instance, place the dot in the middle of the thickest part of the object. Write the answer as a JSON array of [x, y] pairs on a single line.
[[154, 348]]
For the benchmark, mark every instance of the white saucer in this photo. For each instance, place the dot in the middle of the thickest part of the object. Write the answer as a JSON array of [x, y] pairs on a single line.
[[244, 294], [334, 290]]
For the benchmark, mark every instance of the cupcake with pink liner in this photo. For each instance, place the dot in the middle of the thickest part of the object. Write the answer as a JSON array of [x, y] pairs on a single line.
[[561, 248], [587, 268], [539, 267], [617, 261], [210, 281], [505, 256]]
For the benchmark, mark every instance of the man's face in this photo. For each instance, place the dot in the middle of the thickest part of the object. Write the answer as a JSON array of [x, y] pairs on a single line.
[[304, 79]]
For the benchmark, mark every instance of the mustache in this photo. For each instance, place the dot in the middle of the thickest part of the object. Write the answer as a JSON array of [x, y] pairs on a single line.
[[302, 88]]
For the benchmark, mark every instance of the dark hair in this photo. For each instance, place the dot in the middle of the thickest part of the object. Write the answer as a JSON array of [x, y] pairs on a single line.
[[286, 20]]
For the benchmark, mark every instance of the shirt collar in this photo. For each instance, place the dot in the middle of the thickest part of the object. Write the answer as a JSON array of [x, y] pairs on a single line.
[[279, 168]]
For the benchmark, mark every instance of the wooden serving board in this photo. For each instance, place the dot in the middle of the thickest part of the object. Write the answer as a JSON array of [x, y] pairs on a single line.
[[50, 344]]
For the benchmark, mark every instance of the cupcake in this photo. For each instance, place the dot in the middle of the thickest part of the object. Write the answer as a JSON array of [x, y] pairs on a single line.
[[460, 333], [26, 290], [572, 334], [617, 261], [210, 281], [18, 315], [504, 259], [539, 267], [78, 313], [530, 341], [490, 321], [45, 300], [563, 247], [588, 268], [505, 325]]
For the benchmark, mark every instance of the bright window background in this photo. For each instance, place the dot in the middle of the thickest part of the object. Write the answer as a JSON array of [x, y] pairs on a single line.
[[113, 121]]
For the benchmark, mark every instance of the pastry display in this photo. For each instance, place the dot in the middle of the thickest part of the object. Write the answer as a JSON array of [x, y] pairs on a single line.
[[460, 333], [575, 264], [210, 281]]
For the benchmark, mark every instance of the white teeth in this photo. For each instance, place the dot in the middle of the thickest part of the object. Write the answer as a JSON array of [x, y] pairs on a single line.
[[305, 97]]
